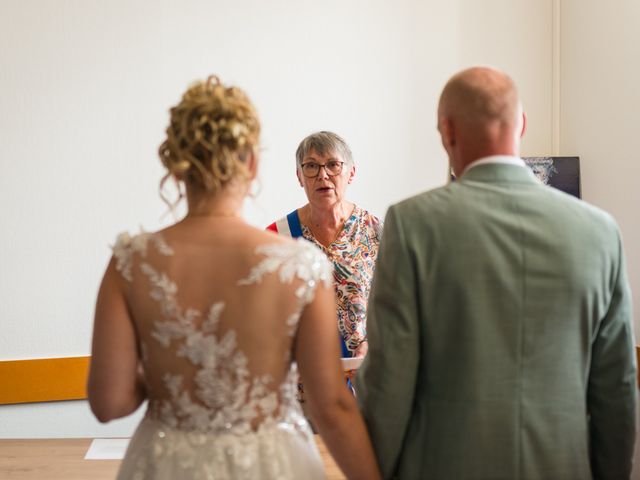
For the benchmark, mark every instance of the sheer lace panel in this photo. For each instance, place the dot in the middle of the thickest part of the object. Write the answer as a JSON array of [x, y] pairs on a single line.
[[126, 246], [306, 264], [219, 392]]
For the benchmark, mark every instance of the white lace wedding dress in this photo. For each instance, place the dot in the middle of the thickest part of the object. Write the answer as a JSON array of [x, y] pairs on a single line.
[[215, 330]]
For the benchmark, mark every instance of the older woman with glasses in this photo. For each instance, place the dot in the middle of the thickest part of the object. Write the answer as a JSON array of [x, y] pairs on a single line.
[[348, 234]]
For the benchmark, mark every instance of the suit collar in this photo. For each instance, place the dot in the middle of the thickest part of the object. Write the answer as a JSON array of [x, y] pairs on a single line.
[[499, 173], [509, 159]]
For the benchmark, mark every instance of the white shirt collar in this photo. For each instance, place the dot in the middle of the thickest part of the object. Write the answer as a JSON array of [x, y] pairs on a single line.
[[508, 159]]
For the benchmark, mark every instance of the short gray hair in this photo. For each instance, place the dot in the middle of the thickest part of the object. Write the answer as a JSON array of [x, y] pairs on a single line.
[[324, 143]]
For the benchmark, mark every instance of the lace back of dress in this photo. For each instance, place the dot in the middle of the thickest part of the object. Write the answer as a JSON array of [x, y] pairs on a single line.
[[216, 342]]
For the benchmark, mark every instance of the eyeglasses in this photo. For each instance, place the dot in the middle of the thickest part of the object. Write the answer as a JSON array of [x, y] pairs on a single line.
[[312, 169]]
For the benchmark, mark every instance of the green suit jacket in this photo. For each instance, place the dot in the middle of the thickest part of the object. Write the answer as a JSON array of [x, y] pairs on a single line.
[[500, 336]]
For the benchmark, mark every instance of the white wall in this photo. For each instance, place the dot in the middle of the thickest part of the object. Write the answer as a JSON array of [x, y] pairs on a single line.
[[515, 36], [599, 108], [599, 111], [84, 91]]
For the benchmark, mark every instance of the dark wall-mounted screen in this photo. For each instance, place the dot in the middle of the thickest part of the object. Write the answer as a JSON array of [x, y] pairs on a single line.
[[562, 173]]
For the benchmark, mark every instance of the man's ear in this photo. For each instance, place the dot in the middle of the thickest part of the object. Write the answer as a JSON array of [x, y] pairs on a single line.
[[524, 124], [447, 132]]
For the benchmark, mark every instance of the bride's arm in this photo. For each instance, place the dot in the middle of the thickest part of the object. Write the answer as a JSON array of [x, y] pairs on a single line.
[[331, 404], [115, 387]]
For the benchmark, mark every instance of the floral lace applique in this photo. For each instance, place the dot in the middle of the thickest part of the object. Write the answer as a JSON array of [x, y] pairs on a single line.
[[225, 397], [246, 413], [228, 398], [126, 246], [305, 263]]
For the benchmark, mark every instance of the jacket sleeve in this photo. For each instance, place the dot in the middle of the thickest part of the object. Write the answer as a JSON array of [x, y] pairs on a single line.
[[612, 386], [386, 382]]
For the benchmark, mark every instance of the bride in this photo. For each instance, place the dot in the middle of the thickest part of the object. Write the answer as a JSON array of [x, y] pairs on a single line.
[[210, 318]]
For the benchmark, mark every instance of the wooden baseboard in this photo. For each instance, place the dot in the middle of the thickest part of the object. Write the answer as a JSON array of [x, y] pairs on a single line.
[[43, 380]]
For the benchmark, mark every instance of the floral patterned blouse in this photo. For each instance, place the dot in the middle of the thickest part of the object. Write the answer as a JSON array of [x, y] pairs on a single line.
[[353, 254]]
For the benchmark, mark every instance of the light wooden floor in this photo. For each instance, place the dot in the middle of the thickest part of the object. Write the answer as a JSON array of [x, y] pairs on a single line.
[[63, 459]]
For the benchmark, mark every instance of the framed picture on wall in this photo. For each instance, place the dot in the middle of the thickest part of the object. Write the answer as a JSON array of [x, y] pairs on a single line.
[[562, 173]]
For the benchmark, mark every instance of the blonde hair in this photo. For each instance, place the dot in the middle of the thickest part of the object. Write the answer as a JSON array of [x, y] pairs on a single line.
[[212, 131]]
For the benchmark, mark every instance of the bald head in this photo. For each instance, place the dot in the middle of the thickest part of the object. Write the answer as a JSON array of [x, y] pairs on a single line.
[[479, 114], [481, 95]]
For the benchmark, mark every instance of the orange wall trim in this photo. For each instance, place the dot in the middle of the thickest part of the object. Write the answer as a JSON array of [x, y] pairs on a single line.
[[51, 379], [43, 380]]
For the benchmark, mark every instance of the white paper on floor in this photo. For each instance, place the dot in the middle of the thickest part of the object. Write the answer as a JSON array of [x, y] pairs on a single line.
[[107, 449]]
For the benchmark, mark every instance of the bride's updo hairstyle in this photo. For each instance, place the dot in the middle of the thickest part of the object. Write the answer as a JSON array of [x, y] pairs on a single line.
[[212, 131]]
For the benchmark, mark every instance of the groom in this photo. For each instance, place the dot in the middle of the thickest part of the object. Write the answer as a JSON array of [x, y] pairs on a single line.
[[500, 335]]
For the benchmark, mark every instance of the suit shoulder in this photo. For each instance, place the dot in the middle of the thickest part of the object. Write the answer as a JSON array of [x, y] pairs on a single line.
[[578, 208], [426, 207], [424, 200]]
